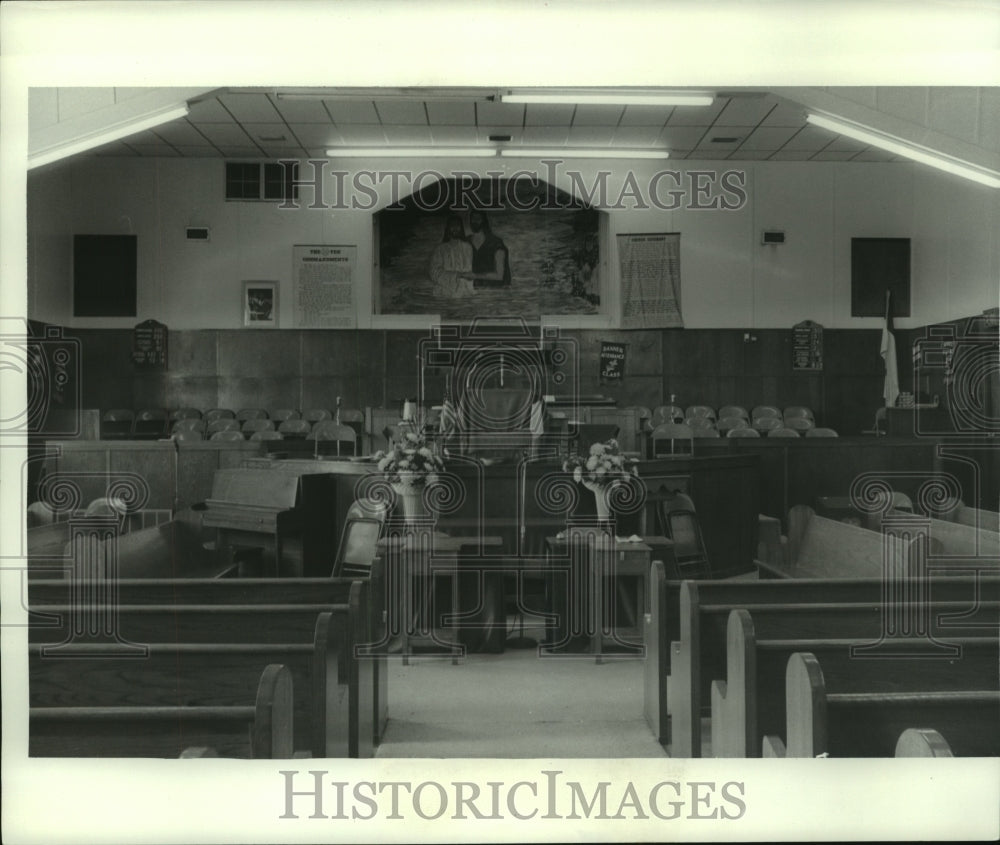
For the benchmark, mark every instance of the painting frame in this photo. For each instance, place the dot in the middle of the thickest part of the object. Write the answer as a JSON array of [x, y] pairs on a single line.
[[259, 304]]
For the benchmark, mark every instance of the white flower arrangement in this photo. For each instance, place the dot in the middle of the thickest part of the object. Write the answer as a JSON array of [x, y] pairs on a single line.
[[604, 465], [410, 463]]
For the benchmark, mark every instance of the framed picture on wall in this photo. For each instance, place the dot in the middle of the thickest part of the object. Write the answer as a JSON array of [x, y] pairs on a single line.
[[260, 305]]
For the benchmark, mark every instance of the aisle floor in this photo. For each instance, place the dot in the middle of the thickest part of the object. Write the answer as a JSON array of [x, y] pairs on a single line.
[[518, 705]]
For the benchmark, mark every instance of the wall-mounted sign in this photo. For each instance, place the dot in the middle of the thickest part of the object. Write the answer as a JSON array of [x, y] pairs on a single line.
[[807, 346], [612, 361], [323, 287], [149, 345], [650, 281]]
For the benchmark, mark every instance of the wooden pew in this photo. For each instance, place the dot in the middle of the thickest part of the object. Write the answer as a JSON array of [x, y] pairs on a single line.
[[750, 702], [172, 549], [260, 728], [816, 547], [922, 742], [225, 591], [976, 517], [824, 722], [204, 653], [679, 672], [955, 539]]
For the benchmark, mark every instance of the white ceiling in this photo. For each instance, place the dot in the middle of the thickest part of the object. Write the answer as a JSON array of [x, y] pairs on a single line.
[[739, 125]]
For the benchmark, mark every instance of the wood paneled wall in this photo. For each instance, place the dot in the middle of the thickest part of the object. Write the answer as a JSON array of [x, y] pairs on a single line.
[[304, 369]]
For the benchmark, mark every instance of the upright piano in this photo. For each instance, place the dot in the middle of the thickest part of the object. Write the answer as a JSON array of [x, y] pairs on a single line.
[[289, 515]]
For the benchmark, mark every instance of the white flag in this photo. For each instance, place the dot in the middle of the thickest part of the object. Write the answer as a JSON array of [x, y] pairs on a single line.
[[888, 351]]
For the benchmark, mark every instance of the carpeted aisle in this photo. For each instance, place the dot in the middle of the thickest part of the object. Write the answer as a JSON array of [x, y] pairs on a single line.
[[517, 704]]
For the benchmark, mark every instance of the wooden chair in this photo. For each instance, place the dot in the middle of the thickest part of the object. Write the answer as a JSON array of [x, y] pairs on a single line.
[[189, 424], [358, 547], [781, 431], [733, 411], [252, 426], [742, 432], [667, 414], [700, 411], [151, 422], [821, 432], [765, 411], [117, 423], [222, 424], [214, 414], [245, 414], [281, 414], [188, 434], [266, 434], [674, 433], [727, 424], [356, 420], [229, 434], [798, 411], [679, 522], [314, 415], [295, 429], [329, 430], [696, 422], [766, 423], [802, 424]]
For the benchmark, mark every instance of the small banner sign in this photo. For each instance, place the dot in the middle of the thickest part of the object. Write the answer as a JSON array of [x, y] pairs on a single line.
[[149, 345], [612, 361], [807, 346]]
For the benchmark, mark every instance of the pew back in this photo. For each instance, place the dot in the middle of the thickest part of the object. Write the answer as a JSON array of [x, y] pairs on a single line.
[[203, 653], [750, 702], [261, 728], [868, 724]]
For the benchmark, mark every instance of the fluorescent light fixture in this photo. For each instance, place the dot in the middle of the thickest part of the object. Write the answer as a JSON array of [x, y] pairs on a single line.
[[581, 152], [891, 144], [106, 136], [608, 97], [411, 152]]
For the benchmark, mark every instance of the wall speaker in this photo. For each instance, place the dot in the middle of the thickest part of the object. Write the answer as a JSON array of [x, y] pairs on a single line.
[[196, 233], [772, 238]]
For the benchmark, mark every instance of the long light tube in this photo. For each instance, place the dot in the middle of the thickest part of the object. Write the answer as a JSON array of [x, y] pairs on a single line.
[[581, 152], [106, 136], [607, 98], [891, 144], [411, 152]]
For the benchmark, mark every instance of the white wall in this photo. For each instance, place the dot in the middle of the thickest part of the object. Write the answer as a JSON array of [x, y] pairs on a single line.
[[728, 278]]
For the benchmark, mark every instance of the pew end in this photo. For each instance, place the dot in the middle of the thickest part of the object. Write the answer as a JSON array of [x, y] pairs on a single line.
[[773, 748], [922, 742]]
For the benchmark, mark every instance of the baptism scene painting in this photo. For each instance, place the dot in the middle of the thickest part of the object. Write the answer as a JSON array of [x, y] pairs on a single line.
[[496, 246]]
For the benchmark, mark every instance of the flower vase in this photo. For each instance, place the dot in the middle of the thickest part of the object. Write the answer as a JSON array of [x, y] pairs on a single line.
[[411, 502], [600, 492]]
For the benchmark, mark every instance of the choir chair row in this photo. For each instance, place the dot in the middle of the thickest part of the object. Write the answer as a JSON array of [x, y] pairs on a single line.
[[125, 423], [735, 421]]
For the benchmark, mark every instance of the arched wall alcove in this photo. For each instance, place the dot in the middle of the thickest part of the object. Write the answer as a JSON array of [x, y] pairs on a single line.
[[472, 247]]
